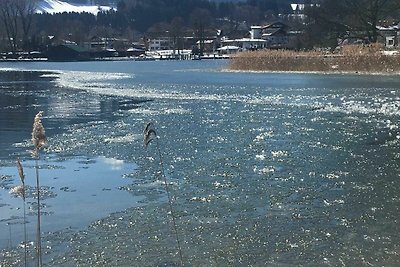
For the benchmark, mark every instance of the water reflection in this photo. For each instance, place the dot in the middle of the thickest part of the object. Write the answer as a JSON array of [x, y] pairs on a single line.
[[24, 93]]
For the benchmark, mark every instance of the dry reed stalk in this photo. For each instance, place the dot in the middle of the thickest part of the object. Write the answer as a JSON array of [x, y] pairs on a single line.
[[38, 140], [22, 178], [150, 134]]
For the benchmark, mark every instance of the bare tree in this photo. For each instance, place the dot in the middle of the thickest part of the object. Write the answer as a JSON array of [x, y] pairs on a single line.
[[326, 23], [16, 16], [201, 19], [9, 17], [247, 13], [356, 18], [26, 9], [176, 27], [368, 13]]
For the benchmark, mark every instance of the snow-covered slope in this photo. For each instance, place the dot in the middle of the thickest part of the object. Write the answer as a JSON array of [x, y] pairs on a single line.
[[56, 6]]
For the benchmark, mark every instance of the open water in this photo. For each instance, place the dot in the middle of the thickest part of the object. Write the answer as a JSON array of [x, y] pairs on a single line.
[[265, 169]]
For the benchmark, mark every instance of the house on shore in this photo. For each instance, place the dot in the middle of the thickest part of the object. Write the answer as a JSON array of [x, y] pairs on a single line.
[[390, 35], [67, 52], [160, 43], [274, 36]]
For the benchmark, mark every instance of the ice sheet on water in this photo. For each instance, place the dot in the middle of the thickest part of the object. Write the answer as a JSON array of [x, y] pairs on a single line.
[[260, 173], [104, 84], [72, 190]]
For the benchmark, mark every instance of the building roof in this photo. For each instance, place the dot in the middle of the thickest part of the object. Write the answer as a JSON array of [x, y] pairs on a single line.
[[250, 40], [389, 28], [75, 47], [275, 25], [273, 32]]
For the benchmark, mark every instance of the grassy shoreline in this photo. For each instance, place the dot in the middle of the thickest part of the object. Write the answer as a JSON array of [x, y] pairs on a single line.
[[371, 59]]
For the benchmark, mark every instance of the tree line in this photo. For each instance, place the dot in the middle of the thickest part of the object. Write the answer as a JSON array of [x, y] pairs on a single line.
[[21, 29], [340, 19]]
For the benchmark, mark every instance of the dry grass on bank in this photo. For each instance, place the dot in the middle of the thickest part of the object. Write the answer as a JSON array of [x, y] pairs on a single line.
[[351, 58]]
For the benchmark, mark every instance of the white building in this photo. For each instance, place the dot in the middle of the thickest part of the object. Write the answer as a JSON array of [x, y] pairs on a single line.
[[160, 43], [245, 43], [255, 32], [391, 35]]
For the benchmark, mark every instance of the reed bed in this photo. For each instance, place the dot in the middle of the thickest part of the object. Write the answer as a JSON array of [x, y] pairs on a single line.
[[351, 58]]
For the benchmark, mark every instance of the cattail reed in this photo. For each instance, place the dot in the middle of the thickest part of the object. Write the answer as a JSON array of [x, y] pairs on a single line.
[[150, 134], [22, 178], [38, 140], [38, 134], [17, 190]]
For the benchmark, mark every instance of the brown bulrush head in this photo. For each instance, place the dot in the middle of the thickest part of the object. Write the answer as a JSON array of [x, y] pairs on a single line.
[[38, 133], [18, 190]]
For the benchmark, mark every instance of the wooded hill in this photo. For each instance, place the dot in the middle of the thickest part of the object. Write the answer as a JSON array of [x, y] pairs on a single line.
[[322, 25]]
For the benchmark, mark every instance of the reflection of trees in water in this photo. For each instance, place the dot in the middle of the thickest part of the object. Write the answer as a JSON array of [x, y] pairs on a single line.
[[18, 101], [23, 94], [17, 106]]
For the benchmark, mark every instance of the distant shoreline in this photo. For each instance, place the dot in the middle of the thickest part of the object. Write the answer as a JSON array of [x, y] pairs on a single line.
[[145, 58], [316, 72]]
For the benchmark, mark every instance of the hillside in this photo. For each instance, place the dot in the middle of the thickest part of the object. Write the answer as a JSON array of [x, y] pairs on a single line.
[[56, 6]]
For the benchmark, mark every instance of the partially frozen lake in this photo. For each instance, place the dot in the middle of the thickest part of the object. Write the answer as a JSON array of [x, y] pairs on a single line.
[[273, 169]]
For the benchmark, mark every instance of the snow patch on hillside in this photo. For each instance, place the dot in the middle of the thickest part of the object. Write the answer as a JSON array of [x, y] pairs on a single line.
[[56, 6]]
